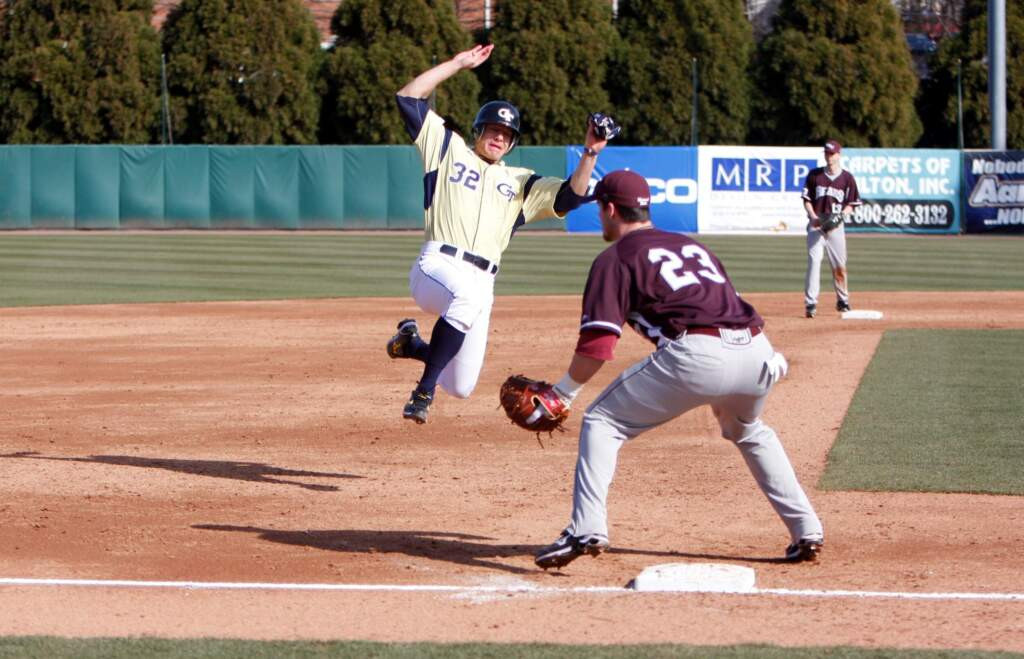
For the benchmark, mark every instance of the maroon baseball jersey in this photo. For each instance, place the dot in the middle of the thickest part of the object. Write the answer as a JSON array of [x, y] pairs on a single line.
[[828, 194], [661, 283]]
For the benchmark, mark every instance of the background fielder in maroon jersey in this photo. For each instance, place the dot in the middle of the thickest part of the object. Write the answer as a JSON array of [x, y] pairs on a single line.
[[828, 189], [711, 350]]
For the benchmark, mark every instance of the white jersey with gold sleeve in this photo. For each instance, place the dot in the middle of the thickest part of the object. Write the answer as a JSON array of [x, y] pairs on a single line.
[[467, 202]]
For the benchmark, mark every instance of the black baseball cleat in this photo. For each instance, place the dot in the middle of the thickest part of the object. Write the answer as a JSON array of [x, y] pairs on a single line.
[[810, 310], [418, 405], [805, 549], [568, 548], [842, 306], [400, 343]]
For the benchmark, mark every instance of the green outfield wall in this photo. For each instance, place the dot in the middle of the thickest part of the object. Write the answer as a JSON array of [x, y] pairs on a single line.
[[224, 187]]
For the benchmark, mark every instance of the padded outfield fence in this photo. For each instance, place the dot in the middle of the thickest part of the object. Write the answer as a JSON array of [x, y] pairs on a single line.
[[221, 187], [707, 189]]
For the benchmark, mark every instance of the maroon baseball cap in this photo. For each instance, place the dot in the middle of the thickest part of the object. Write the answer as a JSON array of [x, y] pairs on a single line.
[[623, 188], [833, 146]]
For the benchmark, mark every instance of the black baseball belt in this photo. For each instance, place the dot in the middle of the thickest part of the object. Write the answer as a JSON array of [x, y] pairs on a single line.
[[469, 257]]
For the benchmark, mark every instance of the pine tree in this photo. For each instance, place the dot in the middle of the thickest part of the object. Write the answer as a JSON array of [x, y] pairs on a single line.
[[835, 68], [650, 78], [78, 71], [381, 45], [242, 72], [550, 59], [938, 99]]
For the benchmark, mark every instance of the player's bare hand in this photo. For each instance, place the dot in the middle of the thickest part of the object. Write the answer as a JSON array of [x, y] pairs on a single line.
[[593, 142], [474, 57]]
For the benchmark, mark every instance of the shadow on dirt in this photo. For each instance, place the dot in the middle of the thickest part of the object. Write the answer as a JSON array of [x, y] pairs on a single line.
[[255, 472], [460, 548], [701, 557]]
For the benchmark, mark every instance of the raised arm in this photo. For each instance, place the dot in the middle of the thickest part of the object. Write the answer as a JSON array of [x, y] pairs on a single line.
[[580, 179], [422, 85]]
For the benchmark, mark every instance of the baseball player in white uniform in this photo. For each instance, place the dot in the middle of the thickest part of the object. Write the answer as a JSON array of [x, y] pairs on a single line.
[[710, 350], [472, 203], [829, 189]]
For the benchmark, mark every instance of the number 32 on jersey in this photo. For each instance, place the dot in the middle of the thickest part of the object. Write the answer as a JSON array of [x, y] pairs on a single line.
[[674, 270]]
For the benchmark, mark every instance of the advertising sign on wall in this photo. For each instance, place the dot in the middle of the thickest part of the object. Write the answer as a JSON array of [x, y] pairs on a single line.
[[905, 190], [753, 189], [670, 171], [994, 191], [758, 189]]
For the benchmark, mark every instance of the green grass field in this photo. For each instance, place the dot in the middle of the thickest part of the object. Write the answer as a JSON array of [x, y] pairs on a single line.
[[96, 268], [936, 411], [223, 649], [903, 427]]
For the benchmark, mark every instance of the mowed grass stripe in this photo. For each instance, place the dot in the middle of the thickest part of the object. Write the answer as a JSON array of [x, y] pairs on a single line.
[[264, 251], [936, 411], [131, 648], [94, 267], [63, 269]]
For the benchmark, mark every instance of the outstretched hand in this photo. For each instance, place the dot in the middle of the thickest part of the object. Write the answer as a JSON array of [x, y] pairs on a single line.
[[474, 57]]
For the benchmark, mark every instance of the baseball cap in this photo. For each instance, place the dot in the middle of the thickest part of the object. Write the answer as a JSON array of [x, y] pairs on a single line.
[[624, 188], [833, 146]]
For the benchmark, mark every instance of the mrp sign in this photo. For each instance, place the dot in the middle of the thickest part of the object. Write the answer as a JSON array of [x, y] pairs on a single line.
[[759, 175], [670, 171], [753, 189]]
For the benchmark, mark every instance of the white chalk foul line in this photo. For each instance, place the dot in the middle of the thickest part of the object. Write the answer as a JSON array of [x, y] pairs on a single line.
[[786, 592], [241, 585], [525, 590]]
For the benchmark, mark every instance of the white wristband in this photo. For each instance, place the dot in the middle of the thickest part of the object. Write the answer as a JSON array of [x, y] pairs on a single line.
[[568, 388]]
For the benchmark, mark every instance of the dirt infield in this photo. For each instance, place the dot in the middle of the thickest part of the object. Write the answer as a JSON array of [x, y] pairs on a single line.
[[262, 442]]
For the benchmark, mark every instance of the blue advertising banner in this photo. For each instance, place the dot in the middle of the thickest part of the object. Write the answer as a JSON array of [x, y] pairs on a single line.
[[994, 191], [905, 190], [671, 171]]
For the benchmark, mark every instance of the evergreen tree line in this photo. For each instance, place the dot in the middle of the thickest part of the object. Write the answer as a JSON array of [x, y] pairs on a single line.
[[253, 72]]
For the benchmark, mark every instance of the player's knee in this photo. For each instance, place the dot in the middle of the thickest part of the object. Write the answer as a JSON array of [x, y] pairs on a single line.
[[736, 429], [594, 425], [459, 390]]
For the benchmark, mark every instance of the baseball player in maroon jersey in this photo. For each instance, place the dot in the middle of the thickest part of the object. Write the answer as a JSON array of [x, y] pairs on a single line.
[[472, 203], [829, 189], [710, 350]]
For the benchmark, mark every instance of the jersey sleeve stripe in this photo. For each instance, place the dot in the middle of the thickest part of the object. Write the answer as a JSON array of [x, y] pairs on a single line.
[[529, 185], [600, 324], [429, 186], [521, 219], [413, 111], [444, 144]]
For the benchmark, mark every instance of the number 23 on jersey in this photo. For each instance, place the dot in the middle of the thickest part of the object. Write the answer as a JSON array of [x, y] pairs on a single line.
[[674, 268]]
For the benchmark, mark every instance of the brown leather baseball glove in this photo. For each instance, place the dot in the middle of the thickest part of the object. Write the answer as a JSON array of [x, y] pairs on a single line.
[[533, 404]]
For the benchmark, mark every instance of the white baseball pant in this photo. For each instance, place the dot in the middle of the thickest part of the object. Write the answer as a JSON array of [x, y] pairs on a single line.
[[463, 294], [691, 371], [834, 244]]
